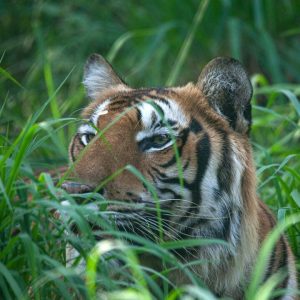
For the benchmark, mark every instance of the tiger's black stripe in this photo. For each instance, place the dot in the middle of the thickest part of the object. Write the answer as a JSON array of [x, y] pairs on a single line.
[[195, 126], [283, 264], [139, 115], [203, 150], [224, 172], [161, 175]]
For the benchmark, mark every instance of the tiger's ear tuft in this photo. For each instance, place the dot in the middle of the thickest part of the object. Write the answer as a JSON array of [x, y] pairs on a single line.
[[99, 76], [227, 88]]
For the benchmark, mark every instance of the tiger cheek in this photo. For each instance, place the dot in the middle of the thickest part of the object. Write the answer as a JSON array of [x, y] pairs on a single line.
[[86, 161], [84, 165]]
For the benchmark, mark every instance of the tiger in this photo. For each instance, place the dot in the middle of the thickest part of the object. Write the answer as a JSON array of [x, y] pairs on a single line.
[[207, 190]]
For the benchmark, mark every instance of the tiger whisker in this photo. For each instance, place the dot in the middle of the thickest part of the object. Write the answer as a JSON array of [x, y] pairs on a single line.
[[170, 236]]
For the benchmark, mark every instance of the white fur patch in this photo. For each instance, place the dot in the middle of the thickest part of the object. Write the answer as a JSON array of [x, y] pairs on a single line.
[[86, 129], [97, 79], [238, 169], [148, 133], [209, 184], [172, 112], [99, 111]]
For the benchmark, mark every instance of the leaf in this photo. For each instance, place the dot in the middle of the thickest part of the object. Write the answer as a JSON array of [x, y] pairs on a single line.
[[15, 288]]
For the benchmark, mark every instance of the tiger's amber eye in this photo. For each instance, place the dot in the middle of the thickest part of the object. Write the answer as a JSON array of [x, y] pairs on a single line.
[[160, 139]]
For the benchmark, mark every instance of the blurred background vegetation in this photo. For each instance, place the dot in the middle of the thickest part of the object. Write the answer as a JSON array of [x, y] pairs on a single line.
[[44, 45], [142, 39]]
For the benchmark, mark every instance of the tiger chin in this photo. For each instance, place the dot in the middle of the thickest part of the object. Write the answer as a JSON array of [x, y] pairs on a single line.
[[213, 195]]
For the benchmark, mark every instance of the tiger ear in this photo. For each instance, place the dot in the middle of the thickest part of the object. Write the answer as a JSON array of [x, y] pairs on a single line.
[[227, 88], [99, 76]]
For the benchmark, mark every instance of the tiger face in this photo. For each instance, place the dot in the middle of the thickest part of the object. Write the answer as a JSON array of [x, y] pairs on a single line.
[[185, 149], [146, 128]]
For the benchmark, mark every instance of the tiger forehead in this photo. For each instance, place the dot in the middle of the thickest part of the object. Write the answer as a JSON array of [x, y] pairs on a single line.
[[133, 97], [161, 112], [129, 97], [150, 107]]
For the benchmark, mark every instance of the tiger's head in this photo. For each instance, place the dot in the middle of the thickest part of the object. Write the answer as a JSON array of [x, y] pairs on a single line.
[[190, 143]]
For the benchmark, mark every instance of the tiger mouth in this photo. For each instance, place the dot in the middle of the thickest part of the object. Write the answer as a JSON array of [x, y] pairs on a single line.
[[127, 217], [121, 206]]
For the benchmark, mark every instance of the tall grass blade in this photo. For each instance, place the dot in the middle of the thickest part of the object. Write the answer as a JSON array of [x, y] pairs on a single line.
[[12, 283], [182, 55], [265, 253], [124, 38], [4, 73], [18, 159]]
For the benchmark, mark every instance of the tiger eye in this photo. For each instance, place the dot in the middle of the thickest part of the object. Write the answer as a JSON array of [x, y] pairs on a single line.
[[86, 138], [161, 139], [89, 137]]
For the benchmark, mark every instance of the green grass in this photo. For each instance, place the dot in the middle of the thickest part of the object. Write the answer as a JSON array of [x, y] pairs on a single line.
[[150, 43]]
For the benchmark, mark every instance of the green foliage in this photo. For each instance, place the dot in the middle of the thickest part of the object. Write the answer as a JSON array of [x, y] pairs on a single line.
[[43, 47]]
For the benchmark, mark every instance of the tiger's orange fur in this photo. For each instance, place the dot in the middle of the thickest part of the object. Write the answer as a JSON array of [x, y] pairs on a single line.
[[211, 121]]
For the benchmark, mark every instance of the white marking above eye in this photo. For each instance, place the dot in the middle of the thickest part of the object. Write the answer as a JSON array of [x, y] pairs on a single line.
[[87, 129], [154, 149], [99, 111], [104, 112], [171, 112], [147, 133]]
